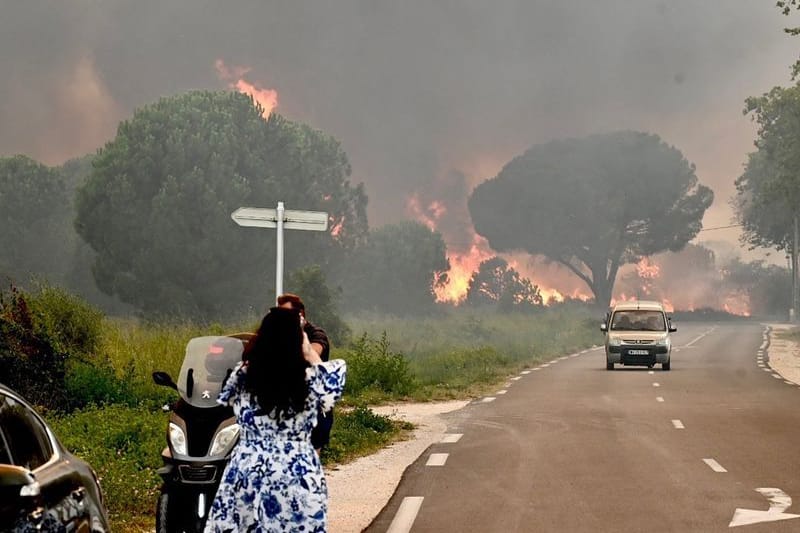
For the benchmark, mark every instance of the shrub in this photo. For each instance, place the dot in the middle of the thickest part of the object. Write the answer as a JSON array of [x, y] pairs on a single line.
[[42, 335], [123, 445], [97, 383], [372, 365], [360, 432]]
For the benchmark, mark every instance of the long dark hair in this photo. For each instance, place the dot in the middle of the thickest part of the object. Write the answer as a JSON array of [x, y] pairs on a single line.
[[276, 373]]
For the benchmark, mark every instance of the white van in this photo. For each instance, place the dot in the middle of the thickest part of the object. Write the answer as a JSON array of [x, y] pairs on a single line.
[[637, 333]]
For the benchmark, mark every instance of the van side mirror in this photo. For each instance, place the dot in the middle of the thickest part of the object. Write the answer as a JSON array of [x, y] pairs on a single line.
[[603, 327], [672, 329]]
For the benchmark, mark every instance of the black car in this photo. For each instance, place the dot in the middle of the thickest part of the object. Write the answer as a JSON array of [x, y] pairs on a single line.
[[42, 486]]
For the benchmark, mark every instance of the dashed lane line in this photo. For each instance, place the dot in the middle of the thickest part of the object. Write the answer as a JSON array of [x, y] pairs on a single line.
[[715, 466], [437, 459], [451, 438], [406, 514]]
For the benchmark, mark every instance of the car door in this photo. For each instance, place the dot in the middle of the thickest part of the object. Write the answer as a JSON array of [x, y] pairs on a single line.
[[60, 504]]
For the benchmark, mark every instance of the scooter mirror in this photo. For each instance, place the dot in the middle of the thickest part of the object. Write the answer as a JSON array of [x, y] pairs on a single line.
[[163, 379]]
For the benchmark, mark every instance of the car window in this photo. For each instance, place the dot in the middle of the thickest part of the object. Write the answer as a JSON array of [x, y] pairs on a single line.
[[638, 320], [5, 455], [24, 437]]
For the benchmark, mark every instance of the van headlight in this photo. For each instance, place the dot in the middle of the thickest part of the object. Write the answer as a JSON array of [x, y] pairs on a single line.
[[224, 440], [662, 342], [177, 438], [614, 342]]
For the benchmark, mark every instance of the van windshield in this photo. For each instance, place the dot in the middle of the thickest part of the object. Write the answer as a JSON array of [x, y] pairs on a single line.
[[638, 320]]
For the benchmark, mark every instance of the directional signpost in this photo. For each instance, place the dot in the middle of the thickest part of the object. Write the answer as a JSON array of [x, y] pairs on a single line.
[[280, 218]]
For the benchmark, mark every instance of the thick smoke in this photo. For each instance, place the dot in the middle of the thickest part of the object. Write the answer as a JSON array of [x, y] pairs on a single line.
[[417, 91]]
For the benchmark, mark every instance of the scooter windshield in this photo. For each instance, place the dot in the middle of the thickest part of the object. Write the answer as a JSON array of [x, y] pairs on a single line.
[[207, 363]]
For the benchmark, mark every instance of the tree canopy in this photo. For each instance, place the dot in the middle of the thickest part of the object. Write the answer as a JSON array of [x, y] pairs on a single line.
[[36, 239], [764, 213], [593, 204], [156, 207], [396, 270], [496, 283]]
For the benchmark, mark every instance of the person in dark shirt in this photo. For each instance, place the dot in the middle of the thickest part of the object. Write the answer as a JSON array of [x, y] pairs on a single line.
[[321, 435]]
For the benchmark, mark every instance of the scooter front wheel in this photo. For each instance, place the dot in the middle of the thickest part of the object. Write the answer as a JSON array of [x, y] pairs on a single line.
[[169, 515], [176, 513]]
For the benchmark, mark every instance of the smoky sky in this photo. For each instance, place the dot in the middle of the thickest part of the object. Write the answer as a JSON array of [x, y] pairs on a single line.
[[417, 91]]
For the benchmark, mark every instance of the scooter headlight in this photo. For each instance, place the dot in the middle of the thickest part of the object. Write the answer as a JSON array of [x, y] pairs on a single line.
[[177, 439], [224, 440]]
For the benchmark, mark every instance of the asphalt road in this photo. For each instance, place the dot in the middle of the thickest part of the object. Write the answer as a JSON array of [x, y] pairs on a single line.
[[570, 446]]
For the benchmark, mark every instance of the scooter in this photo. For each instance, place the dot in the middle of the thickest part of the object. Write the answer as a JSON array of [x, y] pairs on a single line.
[[200, 434]]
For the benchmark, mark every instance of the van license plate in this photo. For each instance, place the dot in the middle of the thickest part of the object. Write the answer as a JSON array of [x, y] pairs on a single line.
[[638, 352]]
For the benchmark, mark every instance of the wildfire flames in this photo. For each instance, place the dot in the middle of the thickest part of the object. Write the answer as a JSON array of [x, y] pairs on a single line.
[[466, 250], [234, 76], [664, 277]]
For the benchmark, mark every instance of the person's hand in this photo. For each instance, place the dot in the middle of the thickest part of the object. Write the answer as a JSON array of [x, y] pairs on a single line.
[[309, 354]]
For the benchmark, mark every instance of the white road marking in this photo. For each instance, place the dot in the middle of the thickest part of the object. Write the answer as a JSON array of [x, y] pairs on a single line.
[[651, 372], [779, 501], [788, 382], [525, 372], [715, 466], [437, 459], [766, 369], [699, 337], [516, 378], [659, 399], [488, 399], [777, 376], [450, 438], [501, 391], [678, 424], [656, 384], [537, 368], [406, 514], [545, 365]]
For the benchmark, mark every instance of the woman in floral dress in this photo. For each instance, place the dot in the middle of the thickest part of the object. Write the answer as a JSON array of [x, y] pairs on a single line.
[[274, 480]]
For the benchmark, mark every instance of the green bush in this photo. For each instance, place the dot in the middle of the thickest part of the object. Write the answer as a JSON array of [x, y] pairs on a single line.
[[39, 333], [123, 445], [360, 432], [371, 365], [97, 383]]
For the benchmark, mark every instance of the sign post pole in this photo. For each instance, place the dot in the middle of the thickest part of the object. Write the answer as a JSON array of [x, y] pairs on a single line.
[[279, 252]]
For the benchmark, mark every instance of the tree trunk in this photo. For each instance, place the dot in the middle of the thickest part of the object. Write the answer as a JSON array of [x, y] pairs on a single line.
[[602, 293]]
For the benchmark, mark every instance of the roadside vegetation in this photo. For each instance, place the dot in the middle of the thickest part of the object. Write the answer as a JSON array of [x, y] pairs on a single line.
[[111, 414]]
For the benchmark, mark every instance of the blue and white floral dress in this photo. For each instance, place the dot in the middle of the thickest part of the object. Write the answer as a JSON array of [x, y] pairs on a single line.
[[274, 480]]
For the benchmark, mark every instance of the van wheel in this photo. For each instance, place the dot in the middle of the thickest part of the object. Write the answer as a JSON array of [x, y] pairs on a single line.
[[665, 366], [609, 365]]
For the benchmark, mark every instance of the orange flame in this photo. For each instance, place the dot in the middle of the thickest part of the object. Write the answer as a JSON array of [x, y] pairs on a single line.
[[462, 267], [266, 98]]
